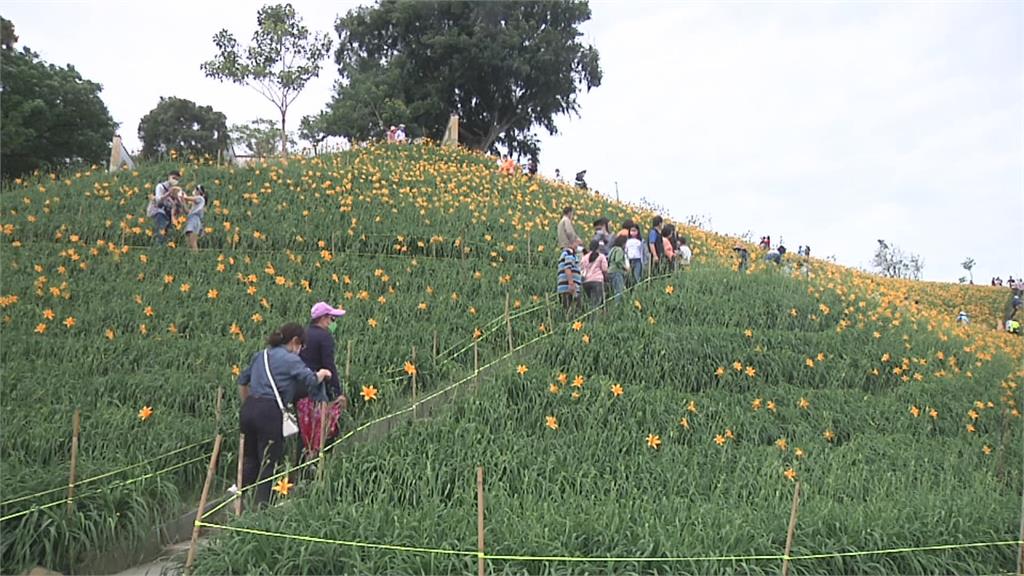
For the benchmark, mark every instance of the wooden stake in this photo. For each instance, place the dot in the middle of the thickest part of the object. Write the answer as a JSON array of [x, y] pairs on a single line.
[[202, 503], [323, 440], [435, 343], [476, 365], [508, 322], [220, 399], [529, 250], [791, 530], [348, 361], [480, 566], [1020, 552], [238, 480], [76, 428], [414, 383]]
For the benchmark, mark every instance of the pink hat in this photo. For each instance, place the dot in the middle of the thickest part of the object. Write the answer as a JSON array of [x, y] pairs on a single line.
[[323, 309]]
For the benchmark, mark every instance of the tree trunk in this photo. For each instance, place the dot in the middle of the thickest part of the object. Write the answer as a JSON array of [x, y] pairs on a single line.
[[284, 133]]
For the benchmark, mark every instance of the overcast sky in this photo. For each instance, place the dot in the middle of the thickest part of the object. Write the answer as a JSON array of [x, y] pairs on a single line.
[[831, 124]]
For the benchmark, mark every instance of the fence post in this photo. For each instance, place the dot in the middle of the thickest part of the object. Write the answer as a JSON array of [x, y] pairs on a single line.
[[508, 322], [238, 478], [414, 383], [480, 565], [321, 469], [791, 530], [220, 399], [476, 365], [76, 428], [202, 503], [348, 362]]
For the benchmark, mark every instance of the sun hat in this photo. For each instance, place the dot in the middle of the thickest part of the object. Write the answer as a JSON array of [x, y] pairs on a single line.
[[324, 309]]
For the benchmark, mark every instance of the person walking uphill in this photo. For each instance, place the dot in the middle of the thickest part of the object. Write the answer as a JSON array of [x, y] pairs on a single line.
[[567, 237], [269, 383], [317, 354]]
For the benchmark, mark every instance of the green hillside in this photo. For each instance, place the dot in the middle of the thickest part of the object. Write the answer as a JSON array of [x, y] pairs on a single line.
[[903, 429]]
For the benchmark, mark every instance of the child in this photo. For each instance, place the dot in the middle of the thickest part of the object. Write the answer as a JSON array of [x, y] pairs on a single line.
[[618, 267], [669, 243], [602, 235], [635, 253], [194, 224], [569, 278], [595, 266]]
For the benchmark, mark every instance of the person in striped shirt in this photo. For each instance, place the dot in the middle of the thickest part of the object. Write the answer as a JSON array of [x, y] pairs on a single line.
[[569, 278]]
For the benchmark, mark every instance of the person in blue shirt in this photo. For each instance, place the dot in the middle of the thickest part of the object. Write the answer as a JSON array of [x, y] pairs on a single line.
[[655, 245], [261, 418]]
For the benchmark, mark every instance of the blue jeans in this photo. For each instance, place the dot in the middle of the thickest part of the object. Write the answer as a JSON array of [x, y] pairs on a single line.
[[618, 285], [637, 265], [161, 222]]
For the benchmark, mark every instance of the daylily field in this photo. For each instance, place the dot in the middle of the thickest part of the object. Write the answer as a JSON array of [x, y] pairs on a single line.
[[663, 435]]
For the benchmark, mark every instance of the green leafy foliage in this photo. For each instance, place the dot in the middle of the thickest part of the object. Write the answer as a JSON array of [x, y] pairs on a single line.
[[281, 59], [182, 125], [503, 67], [52, 118]]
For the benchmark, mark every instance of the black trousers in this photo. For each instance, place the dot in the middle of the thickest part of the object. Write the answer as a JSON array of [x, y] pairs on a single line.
[[264, 444]]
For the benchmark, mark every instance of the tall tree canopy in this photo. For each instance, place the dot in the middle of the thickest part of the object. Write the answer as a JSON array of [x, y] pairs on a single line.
[[281, 59], [503, 67], [182, 125], [51, 117]]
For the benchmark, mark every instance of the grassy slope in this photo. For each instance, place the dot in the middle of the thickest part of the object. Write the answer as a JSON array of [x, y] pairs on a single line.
[[441, 239]]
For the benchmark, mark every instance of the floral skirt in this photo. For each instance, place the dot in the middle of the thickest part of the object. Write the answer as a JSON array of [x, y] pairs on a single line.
[[309, 423]]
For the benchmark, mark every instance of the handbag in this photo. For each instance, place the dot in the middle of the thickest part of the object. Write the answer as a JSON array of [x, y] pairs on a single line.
[[289, 427]]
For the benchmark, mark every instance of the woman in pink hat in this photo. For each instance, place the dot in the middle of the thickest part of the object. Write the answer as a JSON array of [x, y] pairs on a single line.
[[318, 353]]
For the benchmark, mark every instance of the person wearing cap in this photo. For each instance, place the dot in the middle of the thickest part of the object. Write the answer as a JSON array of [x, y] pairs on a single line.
[[317, 354], [159, 208], [319, 349]]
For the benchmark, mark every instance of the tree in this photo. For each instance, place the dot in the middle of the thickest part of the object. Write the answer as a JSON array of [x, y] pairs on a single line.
[[7, 36], [503, 67], [179, 124], [313, 129], [281, 59], [893, 262], [260, 137], [968, 265], [51, 117]]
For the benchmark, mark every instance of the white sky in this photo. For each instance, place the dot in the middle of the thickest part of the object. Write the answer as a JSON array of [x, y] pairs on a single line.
[[824, 123]]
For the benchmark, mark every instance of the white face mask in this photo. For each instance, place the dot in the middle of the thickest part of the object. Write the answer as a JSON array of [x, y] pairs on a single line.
[[173, 181]]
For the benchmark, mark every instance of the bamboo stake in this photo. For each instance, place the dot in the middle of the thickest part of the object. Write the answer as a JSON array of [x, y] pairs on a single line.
[[508, 322], [202, 503], [529, 250], [220, 399], [480, 566], [476, 365], [1020, 553], [348, 361], [320, 469], [76, 428], [414, 383], [435, 343], [791, 530], [238, 480]]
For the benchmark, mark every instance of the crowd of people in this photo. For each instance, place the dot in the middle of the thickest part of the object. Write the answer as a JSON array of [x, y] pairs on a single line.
[[587, 271], [168, 203], [1017, 284]]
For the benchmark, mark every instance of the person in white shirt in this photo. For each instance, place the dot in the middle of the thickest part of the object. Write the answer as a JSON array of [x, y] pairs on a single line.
[[684, 253], [400, 137], [159, 207], [635, 253]]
